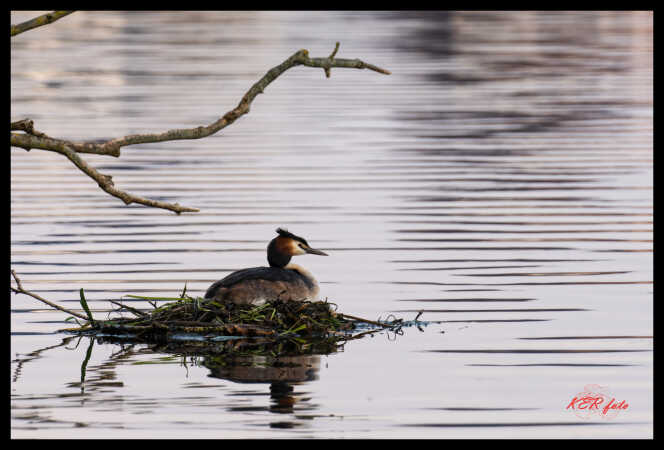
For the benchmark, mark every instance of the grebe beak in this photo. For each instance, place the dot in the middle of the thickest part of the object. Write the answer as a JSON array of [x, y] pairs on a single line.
[[313, 251]]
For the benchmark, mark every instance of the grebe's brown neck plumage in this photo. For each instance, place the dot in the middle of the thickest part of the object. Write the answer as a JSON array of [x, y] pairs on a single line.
[[277, 254]]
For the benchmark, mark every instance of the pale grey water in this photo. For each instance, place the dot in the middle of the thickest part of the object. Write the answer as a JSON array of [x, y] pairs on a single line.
[[500, 180]]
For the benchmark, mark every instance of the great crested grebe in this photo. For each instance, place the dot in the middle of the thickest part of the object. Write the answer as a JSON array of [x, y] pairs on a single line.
[[281, 281]]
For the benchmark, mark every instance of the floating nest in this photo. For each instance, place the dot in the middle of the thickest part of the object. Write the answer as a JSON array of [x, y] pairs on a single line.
[[194, 325], [203, 320]]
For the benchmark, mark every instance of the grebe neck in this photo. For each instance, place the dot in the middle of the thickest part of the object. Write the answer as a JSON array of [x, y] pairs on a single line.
[[276, 258]]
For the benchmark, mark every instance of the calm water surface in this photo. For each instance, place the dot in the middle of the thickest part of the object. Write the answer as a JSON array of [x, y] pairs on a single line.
[[500, 181]]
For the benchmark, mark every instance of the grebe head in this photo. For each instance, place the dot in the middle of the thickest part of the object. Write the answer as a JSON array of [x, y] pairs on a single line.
[[282, 248]]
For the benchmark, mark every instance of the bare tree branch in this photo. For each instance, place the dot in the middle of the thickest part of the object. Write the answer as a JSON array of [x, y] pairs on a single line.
[[30, 138], [37, 139], [44, 19], [106, 183], [19, 290]]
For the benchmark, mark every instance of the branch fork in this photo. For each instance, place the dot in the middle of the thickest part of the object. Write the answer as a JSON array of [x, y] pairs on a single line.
[[28, 137]]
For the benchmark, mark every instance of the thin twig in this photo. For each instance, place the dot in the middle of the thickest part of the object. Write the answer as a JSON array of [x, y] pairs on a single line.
[[384, 325], [129, 308], [331, 57], [19, 290], [44, 19], [360, 335], [334, 52]]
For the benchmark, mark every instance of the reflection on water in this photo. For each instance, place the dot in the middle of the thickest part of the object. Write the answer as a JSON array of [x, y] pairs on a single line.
[[262, 369], [500, 181], [241, 361], [281, 373]]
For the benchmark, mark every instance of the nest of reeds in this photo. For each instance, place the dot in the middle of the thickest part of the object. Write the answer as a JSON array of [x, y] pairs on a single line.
[[197, 325], [188, 316]]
